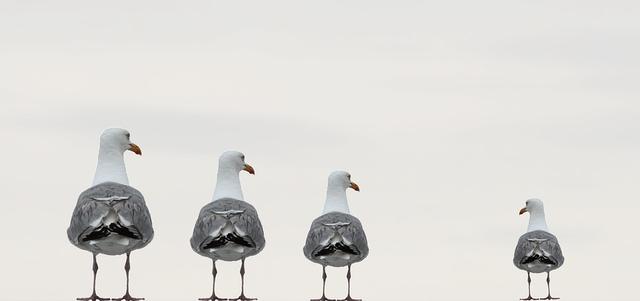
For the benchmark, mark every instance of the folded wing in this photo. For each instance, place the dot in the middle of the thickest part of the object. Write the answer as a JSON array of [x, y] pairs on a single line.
[[231, 224], [336, 239], [538, 251], [107, 209]]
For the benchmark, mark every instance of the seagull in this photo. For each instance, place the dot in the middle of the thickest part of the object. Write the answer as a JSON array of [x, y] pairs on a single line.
[[336, 237], [228, 228], [111, 217], [538, 251]]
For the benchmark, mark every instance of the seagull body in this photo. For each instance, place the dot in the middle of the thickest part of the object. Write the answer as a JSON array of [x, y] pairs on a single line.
[[336, 238], [228, 228], [111, 217], [537, 251]]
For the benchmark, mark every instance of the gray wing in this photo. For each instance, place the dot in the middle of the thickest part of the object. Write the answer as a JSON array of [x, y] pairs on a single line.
[[538, 245], [212, 218], [134, 213], [95, 203], [324, 228], [87, 215]]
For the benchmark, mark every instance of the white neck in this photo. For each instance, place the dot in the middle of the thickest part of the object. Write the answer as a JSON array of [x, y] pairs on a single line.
[[537, 221], [228, 185], [110, 167], [336, 200]]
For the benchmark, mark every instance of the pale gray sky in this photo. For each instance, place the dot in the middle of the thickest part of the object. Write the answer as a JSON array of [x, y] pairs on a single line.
[[448, 114]]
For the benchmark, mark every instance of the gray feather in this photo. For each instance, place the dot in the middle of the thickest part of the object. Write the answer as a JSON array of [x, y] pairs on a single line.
[[540, 243], [95, 203], [242, 215], [325, 227]]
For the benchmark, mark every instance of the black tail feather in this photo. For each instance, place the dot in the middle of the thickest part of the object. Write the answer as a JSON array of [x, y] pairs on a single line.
[[216, 242], [221, 240], [339, 246], [347, 249], [240, 240], [97, 233], [124, 231], [104, 231], [327, 250], [537, 257]]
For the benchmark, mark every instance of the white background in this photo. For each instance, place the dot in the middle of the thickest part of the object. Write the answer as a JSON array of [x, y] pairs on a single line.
[[448, 114]]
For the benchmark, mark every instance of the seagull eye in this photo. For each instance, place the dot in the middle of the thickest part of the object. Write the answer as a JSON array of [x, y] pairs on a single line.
[[242, 157], [128, 135]]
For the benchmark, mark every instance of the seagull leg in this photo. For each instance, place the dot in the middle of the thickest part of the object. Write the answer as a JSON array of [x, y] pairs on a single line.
[[213, 297], [324, 282], [94, 296], [529, 282], [127, 297], [242, 297], [549, 290], [348, 298]]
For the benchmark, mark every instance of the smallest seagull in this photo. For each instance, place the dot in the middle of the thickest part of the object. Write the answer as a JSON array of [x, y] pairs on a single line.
[[336, 237], [538, 251]]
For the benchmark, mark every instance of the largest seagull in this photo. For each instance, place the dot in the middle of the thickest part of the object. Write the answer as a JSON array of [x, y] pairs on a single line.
[[111, 217], [228, 228]]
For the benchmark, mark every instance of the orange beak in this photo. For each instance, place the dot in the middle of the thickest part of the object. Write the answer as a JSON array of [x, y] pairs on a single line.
[[354, 186], [136, 149], [522, 211], [249, 169]]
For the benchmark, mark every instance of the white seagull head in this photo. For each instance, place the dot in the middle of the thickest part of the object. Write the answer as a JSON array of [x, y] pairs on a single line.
[[533, 206], [119, 141], [342, 180], [234, 161], [336, 199], [537, 220]]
